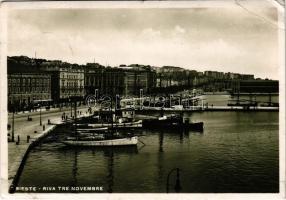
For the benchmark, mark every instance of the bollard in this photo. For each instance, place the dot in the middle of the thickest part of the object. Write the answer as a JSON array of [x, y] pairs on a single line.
[[44, 127], [28, 138], [18, 142], [187, 121], [49, 121], [12, 189]]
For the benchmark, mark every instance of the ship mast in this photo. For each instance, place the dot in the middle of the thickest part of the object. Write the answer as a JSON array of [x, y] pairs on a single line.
[[111, 118], [75, 125]]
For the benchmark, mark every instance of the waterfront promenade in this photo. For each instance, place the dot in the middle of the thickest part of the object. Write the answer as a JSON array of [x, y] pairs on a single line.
[[211, 108], [18, 150]]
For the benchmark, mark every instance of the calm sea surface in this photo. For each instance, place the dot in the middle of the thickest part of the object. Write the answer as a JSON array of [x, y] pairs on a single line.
[[237, 152]]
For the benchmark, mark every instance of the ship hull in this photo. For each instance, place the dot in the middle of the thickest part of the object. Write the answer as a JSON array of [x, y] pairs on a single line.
[[99, 143], [173, 124]]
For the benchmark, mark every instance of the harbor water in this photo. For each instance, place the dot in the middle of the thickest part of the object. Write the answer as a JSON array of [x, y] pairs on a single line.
[[237, 152]]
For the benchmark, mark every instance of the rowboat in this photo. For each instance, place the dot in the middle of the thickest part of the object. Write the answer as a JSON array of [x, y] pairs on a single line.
[[136, 124], [126, 141]]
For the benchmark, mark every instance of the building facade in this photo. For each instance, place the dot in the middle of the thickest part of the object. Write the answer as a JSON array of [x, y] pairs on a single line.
[[71, 81], [122, 80], [107, 81], [24, 89], [256, 86], [138, 77], [67, 80], [32, 79]]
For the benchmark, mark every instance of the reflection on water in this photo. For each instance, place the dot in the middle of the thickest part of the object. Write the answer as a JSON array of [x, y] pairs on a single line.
[[222, 100], [237, 152], [110, 176], [74, 169]]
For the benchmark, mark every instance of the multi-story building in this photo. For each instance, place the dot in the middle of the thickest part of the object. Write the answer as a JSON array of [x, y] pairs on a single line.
[[26, 84], [138, 77], [71, 81], [256, 86], [67, 80], [113, 81], [230, 75], [122, 80], [93, 78], [107, 81], [211, 74], [26, 88], [168, 76], [246, 76], [214, 74]]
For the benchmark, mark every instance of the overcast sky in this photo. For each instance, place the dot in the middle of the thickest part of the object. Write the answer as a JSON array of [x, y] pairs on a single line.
[[222, 39]]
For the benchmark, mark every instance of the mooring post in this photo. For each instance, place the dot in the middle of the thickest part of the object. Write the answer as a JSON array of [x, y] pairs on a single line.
[[28, 138], [178, 186], [13, 125], [18, 140]]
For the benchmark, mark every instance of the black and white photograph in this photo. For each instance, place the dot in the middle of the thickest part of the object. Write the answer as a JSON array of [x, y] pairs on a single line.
[[143, 97]]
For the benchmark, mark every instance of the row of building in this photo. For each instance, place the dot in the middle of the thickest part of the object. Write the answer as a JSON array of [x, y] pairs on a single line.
[[40, 80], [33, 80], [168, 76]]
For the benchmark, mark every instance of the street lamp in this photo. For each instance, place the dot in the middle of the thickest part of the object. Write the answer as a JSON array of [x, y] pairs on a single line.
[[95, 96], [141, 99], [13, 124], [178, 186], [40, 113], [71, 105]]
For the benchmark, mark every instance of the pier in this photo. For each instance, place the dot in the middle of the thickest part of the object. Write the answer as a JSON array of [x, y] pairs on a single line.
[[209, 108]]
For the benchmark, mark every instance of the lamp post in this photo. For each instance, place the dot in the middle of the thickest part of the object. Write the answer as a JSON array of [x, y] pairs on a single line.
[[96, 96], [13, 124], [141, 99], [71, 105], [95, 93], [177, 187], [40, 113]]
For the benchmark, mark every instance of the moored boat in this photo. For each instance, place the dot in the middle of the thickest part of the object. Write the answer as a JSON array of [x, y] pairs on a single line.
[[135, 124], [111, 138], [173, 122], [126, 141]]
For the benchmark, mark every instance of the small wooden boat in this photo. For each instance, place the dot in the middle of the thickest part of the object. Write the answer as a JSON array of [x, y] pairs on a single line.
[[92, 129], [90, 134], [126, 141], [136, 124]]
